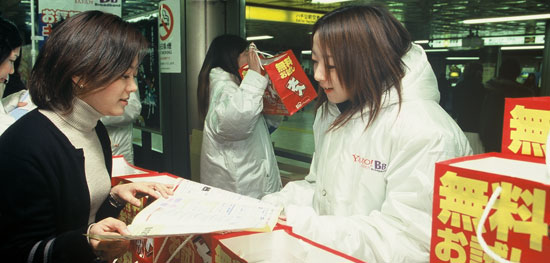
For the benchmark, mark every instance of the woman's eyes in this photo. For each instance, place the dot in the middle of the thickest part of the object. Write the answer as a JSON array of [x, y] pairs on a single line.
[[129, 76]]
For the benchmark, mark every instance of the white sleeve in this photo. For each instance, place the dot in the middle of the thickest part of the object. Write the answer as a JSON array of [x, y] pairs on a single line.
[[401, 230], [5, 122], [234, 111], [131, 112], [273, 121], [10, 102]]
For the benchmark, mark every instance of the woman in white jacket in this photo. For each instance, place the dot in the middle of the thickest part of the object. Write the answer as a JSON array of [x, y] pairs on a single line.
[[237, 153], [379, 131], [10, 48]]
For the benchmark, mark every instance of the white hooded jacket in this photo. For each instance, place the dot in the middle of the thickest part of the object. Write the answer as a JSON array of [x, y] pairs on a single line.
[[9, 105], [120, 128], [237, 153], [369, 192]]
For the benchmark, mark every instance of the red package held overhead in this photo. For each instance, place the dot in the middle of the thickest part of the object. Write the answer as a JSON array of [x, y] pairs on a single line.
[[289, 88]]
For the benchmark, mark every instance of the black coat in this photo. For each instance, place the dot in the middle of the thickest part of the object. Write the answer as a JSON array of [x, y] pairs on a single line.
[[44, 198]]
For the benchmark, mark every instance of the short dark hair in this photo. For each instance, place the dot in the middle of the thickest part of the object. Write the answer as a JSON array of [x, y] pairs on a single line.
[[94, 46], [223, 52], [366, 43], [10, 38], [509, 69]]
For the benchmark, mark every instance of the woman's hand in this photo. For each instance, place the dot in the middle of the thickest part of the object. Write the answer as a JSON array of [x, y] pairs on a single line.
[[253, 60], [131, 192], [109, 249]]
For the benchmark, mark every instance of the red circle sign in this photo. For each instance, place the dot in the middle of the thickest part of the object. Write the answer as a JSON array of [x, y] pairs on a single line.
[[166, 21]]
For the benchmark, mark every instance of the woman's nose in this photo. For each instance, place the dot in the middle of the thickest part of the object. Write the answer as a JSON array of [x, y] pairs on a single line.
[[319, 72]]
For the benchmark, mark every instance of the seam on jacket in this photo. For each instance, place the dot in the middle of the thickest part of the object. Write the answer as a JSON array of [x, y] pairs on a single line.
[[48, 250], [33, 250]]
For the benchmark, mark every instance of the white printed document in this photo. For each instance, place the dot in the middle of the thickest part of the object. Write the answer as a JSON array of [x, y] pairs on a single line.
[[197, 208]]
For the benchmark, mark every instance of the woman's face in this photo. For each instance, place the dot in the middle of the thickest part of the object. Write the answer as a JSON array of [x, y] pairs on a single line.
[[7, 68], [327, 76], [243, 58], [112, 99]]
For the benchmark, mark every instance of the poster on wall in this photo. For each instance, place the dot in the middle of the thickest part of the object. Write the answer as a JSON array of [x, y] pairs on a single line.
[[148, 79], [53, 11], [169, 36]]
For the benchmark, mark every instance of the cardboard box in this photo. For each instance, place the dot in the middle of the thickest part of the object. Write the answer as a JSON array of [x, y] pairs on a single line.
[[280, 245]]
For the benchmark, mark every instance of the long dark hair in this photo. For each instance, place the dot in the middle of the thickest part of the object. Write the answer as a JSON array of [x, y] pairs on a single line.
[[223, 52], [96, 47], [366, 43], [10, 38]]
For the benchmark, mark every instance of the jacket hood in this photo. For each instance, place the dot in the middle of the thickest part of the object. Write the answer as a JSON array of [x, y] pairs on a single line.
[[419, 82]]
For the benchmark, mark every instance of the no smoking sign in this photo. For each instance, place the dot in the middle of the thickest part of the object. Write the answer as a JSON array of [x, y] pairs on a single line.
[[166, 22]]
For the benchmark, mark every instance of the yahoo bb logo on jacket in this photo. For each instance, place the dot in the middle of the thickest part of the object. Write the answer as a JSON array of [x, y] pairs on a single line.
[[374, 165], [107, 1]]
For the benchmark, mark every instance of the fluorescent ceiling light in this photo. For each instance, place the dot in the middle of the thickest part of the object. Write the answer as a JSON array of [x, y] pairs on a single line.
[[327, 1], [436, 50], [462, 58], [506, 19], [422, 41], [259, 37], [306, 52], [521, 47]]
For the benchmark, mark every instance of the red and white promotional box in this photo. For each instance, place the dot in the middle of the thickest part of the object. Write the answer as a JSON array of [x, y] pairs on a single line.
[[279, 245], [516, 226], [496, 206], [289, 89], [122, 168], [525, 126]]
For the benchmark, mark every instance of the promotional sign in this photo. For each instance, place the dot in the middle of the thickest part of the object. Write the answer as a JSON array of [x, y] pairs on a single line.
[[491, 206], [526, 125], [170, 36], [53, 11]]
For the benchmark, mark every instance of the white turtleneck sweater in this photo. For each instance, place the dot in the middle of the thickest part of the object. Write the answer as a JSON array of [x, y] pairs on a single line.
[[79, 127]]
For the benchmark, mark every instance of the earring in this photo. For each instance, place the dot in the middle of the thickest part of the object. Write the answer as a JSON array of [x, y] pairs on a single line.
[[81, 86]]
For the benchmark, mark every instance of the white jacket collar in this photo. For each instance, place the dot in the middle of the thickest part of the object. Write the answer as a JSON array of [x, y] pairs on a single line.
[[218, 73]]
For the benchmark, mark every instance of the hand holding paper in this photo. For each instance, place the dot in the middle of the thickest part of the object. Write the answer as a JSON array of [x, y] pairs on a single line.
[[132, 191], [197, 208], [109, 249]]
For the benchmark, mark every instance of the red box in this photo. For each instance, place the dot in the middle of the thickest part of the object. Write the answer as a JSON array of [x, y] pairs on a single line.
[[280, 245], [289, 88], [525, 126], [516, 228]]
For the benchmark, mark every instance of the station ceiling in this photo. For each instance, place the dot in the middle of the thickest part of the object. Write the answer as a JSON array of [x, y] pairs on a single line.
[[425, 19]]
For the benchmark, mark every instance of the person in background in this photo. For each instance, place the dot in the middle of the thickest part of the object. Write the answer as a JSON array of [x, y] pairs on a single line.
[[445, 96], [15, 84], [531, 84], [378, 132], [55, 162], [467, 102], [120, 128], [492, 111], [237, 153], [10, 49]]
